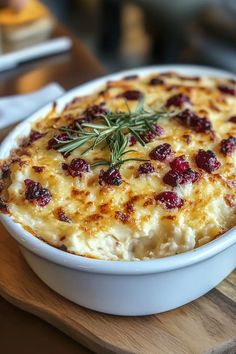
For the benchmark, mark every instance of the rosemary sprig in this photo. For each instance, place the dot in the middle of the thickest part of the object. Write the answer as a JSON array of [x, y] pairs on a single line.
[[112, 130]]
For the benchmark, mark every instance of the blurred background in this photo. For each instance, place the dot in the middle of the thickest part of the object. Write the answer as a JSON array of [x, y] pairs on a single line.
[[129, 33], [124, 33]]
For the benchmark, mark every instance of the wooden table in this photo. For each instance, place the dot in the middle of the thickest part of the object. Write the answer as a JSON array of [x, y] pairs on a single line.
[[68, 69], [21, 332]]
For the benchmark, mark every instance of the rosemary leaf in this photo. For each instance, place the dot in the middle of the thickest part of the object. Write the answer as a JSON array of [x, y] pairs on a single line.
[[112, 130]]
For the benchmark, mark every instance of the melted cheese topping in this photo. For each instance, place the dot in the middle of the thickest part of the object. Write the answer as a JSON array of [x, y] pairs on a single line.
[[124, 222]]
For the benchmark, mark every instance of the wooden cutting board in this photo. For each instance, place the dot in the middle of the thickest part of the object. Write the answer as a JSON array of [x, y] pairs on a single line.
[[208, 325]]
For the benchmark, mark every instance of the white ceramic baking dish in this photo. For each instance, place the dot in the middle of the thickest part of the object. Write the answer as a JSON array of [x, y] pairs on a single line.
[[121, 287]]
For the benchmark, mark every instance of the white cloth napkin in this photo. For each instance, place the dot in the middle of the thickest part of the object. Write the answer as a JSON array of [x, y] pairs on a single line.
[[13, 109]]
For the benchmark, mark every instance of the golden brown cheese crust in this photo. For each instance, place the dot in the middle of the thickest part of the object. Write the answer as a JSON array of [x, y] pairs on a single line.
[[126, 221]]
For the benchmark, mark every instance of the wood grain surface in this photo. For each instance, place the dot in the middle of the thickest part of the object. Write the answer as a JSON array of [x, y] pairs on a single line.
[[208, 325]]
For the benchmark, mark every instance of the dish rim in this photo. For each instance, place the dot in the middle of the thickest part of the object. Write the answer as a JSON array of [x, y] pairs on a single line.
[[52, 254]]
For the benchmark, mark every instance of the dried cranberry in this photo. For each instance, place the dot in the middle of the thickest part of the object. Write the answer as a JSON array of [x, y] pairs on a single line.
[[232, 119], [80, 121], [64, 166], [132, 95], [132, 140], [155, 81], [45, 197], [77, 167], [3, 207], [34, 135], [146, 168], [161, 152], [171, 200], [178, 100], [192, 120], [179, 164], [5, 171], [174, 177], [228, 146], [65, 154], [227, 90], [88, 115], [190, 176], [207, 160], [62, 137], [201, 125], [111, 176], [53, 142], [38, 169], [130, 77], [62, 216], [33, 189], [76, 122], [157, 129], [35, 192], [187, 117], [94, 111], [150, 135], [180, 172]]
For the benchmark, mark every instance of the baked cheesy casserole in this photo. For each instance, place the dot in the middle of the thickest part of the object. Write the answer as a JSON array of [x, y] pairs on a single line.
[[144, 168]]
